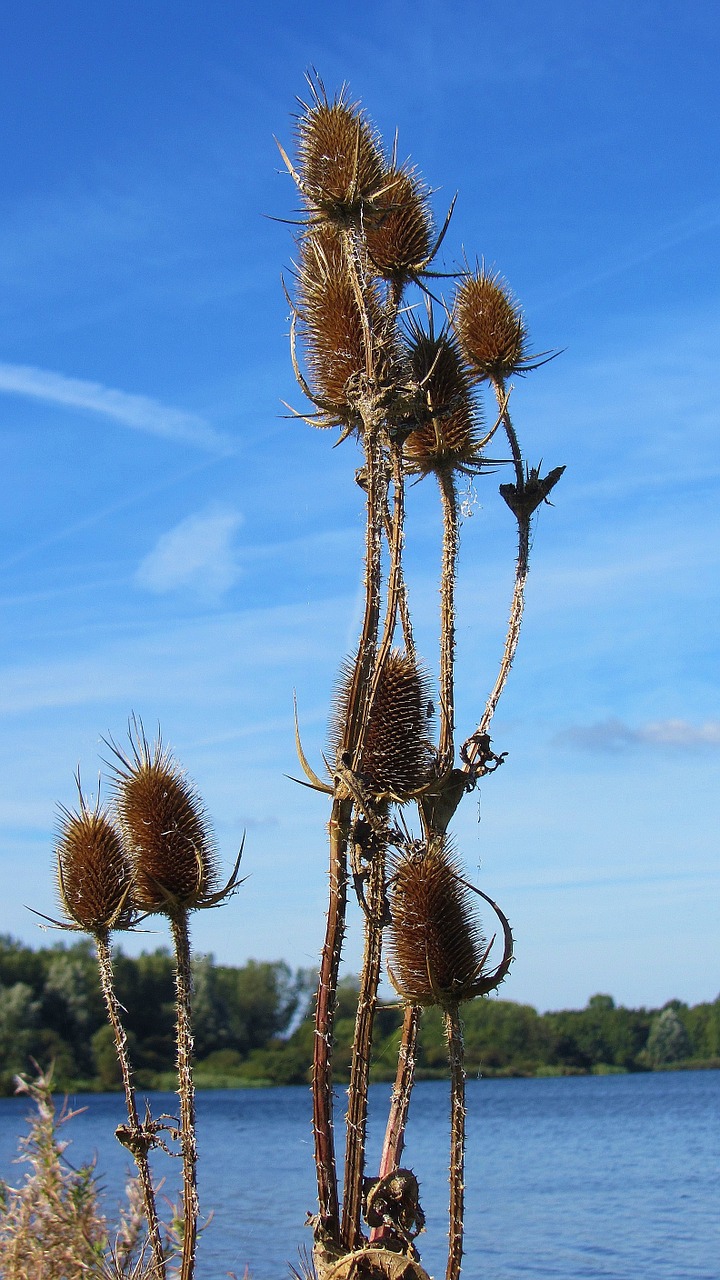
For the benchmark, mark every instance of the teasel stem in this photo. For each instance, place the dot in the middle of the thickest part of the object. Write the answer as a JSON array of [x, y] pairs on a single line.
[[399, 1102], [356, 1119], [364, 670], [401, 588], [456, 1057], [139, 1150], [472, 748], [323, 1132], [395, 584], [186, 1089], [451, 542]]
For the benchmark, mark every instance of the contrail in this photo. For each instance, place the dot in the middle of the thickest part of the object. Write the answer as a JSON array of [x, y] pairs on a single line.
[[139, 412]]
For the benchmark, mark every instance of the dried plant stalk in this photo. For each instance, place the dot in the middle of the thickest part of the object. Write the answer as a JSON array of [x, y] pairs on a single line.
[[186, 1090], [457, 1142], [138, 1142]]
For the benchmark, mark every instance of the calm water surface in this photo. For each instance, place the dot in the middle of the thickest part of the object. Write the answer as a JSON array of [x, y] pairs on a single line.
[[612, 1177]]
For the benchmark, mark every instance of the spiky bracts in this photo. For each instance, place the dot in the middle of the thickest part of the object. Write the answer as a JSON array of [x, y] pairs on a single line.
[[490, 327], [398, 756], [399, 228], [447, 434], [165, 828], [93, 871], [437, 949], [340, 161], [339, 309]]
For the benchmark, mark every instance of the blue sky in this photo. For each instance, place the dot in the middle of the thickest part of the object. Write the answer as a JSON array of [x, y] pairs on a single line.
[[173, 546]]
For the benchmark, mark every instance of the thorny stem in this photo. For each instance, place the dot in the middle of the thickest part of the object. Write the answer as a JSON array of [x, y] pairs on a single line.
[[324, 1023], [395, 581], [447, 615], [112, 1005], [186, 1090], [356, 1119], [472, 748], [401, 589], [358, 699], [399, 1102], [457, 1142]]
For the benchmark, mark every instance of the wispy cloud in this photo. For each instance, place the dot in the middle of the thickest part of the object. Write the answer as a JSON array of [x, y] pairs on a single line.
[[142, 413], [614, 735], [197, 554]]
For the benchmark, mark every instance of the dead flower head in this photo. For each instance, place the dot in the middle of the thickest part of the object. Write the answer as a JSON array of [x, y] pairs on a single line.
[[437, 949], [490, 327], [93, 870], [166, 830]]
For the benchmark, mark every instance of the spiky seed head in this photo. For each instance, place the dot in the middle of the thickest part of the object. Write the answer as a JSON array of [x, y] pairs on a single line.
[[165, 828], [93, 871], [398, 231], [340, 160], [490, 327], [331, 320], [447, 435], [436, 948], [398, 756]]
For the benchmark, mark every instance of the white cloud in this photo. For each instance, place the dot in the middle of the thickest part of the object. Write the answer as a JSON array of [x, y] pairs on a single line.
[[139, 412], [614, 735], [197, 554]]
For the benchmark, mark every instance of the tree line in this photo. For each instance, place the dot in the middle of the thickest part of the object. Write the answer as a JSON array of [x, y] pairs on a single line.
[[252, 1025]]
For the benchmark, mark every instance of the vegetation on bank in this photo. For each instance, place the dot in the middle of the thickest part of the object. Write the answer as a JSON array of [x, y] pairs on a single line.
[[252, 1026]]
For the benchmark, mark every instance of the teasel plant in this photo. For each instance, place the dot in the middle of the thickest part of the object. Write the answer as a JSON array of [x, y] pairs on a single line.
[[95, 888], [152, 852], [385, 360], [175, 871]]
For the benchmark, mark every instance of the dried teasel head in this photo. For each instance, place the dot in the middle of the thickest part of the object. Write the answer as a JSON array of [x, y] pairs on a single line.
[[165, 828], [340, 165], [398, 757], [332, 322], [399, 230], [447, 433], [490, 327], [93, 871], [437, 952]]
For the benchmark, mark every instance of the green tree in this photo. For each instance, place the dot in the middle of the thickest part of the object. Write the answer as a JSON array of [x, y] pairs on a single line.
[[668, 1040]]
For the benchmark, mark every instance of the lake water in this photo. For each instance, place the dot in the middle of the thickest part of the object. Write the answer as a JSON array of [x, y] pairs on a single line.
[[612, 1177]]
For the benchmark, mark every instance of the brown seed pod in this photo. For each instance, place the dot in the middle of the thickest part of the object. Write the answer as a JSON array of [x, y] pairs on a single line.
[[447, 435], [398, 756], [398, 232], [332, 322], [93, 871], [490, 327], [436, 950], [340, 161], [165, 828]]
